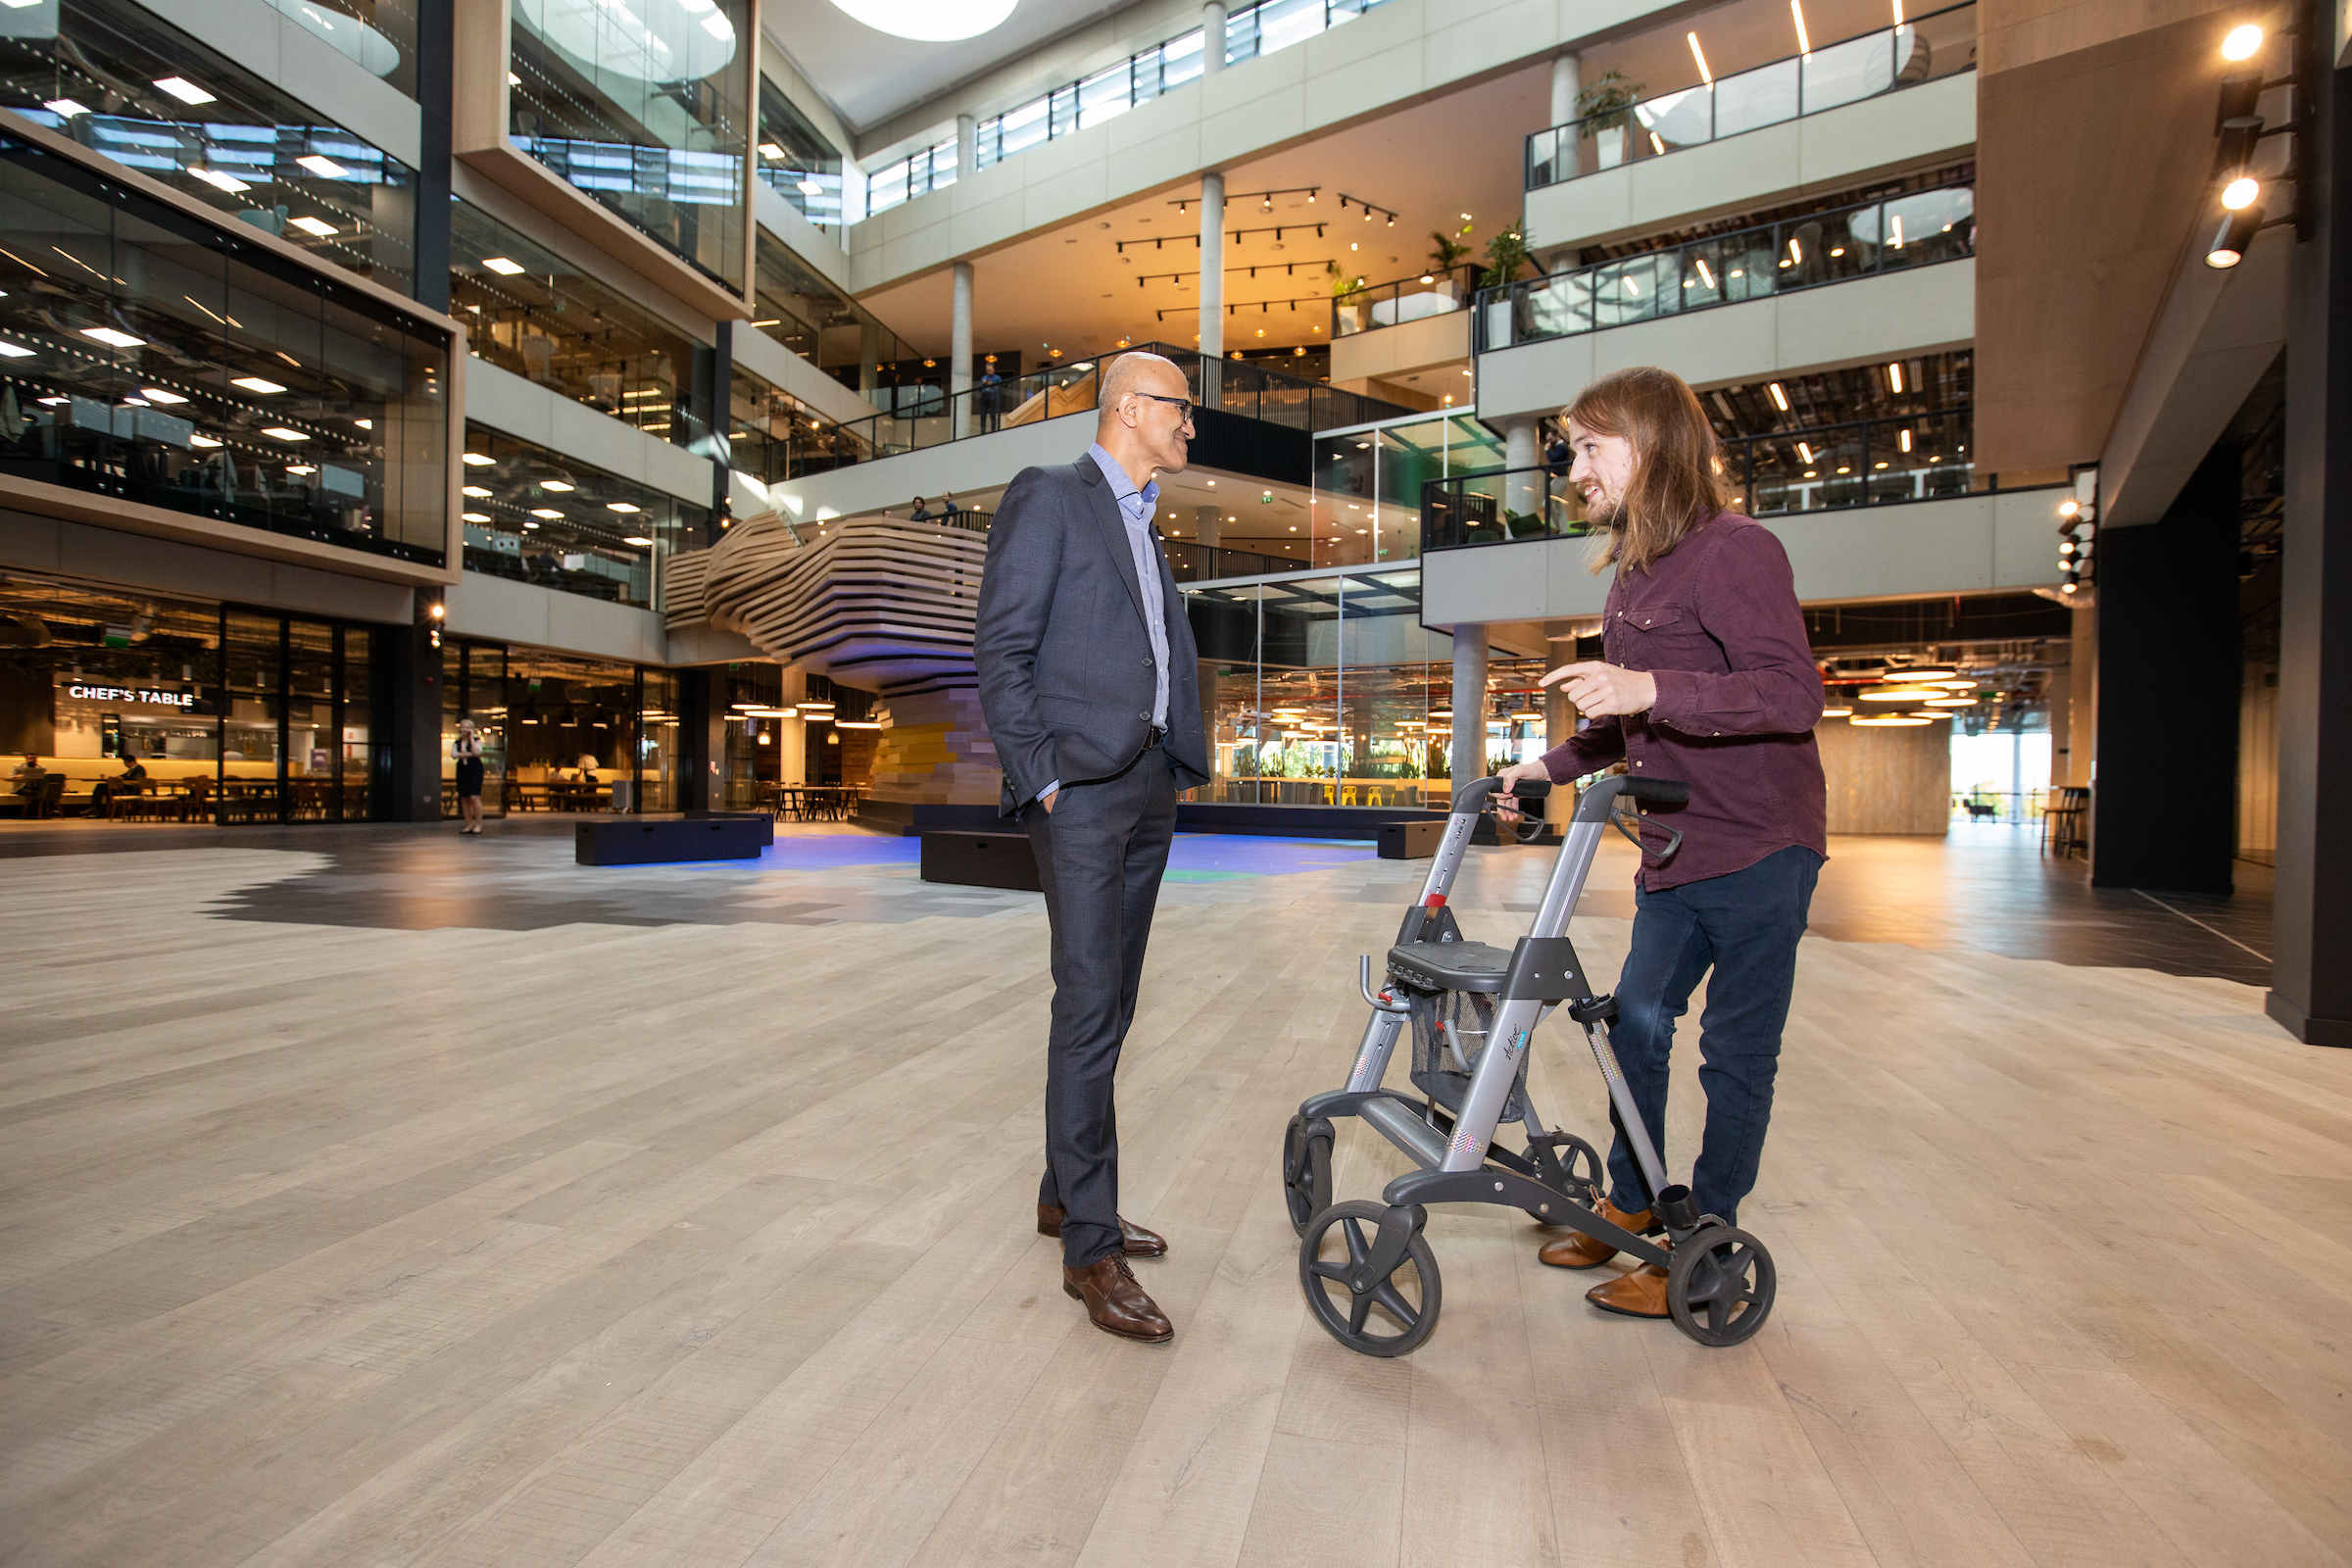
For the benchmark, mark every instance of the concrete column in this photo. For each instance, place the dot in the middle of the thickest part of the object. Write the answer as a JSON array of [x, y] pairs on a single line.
[[1559, 719], [959, 355], [1212, 37], [1522, 492], [1212, 285], [1208, 522], [1469, 754], [967, 146], [1566, 83]]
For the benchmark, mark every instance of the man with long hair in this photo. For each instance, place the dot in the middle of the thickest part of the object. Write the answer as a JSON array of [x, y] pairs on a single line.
[[1706, 678]]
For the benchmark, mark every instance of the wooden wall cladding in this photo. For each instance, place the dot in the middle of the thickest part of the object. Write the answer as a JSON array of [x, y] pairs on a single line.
[[1887, 780]]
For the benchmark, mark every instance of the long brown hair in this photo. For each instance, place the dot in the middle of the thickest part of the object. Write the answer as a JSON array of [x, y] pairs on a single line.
[[1678, 465]]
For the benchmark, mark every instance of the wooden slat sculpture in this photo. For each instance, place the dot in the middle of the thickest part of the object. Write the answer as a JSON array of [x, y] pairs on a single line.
[[874, 603]]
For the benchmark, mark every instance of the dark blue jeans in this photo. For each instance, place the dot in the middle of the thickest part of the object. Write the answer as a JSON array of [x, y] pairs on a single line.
[[1744, 926]]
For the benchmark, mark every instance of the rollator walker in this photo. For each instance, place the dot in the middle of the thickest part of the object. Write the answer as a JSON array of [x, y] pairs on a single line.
[[1367, 1270]]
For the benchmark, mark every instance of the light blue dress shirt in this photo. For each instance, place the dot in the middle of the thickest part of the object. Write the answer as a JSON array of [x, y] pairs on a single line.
[[1136, 508]]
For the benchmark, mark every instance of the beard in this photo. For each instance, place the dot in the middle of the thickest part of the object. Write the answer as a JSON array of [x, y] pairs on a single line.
[[1604, 511]]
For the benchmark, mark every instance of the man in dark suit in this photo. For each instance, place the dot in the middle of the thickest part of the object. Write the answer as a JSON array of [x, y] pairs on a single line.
[[1090, 685]]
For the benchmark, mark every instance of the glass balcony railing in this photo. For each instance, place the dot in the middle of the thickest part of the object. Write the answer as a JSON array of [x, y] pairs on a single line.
[[1074, 106], [1410, 299], [1942, 43], [1866, 463], [1915, 229], [929, 417]]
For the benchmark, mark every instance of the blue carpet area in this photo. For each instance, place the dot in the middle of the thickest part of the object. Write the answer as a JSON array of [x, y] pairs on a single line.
[[1192, 857]]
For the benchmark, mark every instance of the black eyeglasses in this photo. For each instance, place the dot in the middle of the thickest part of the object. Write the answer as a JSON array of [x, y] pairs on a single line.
[[1184, 406]]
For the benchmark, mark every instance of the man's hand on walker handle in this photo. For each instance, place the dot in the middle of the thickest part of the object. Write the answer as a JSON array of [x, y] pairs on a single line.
[[1506, 803], [1600, 690]]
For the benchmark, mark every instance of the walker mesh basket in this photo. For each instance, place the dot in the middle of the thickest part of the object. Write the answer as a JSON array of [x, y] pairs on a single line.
[[1449, 1034]]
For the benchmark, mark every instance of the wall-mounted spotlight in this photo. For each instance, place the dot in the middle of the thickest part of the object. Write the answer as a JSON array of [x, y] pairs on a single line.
[[2230, 241]]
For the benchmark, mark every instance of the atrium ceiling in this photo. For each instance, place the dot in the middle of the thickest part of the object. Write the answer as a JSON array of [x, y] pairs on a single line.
[[1076, 289], [869, 75]]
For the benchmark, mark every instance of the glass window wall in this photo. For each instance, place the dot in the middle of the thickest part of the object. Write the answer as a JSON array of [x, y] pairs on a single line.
[[774, 436], [379, 35], [570, 736], [647, 109], [147, 356], [530, 312], [537, 515], [800, 310], [141, 708], [111, 77], [474, 685], [1367, 483], [796, 160]]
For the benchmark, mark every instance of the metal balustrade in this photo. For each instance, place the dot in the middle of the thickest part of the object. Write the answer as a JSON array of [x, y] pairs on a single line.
[[1917, 229]]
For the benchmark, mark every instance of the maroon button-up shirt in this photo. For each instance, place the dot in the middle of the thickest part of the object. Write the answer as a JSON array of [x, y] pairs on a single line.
[[1715, 621]]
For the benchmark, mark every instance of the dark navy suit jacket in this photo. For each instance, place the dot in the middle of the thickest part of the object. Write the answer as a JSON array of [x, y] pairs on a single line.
[[1066, 678]]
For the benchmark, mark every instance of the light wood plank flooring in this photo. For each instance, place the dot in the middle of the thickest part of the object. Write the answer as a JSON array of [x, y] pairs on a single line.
[[710, 1244]]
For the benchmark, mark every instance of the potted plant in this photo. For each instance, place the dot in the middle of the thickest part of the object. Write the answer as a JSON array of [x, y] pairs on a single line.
[[1445, 252], [1506, 254], [1607, 111], [1346, 297]]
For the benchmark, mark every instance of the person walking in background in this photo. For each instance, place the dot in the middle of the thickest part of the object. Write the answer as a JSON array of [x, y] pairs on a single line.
[[1089, 682], [1708, 677], [468, 749]]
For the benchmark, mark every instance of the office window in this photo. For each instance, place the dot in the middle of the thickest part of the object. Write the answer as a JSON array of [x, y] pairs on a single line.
[[647, 110], [93, 70], [795, 158], [539, 517]]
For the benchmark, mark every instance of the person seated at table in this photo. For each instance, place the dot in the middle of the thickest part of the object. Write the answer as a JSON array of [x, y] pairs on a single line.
[[130, 781], [27, 775]]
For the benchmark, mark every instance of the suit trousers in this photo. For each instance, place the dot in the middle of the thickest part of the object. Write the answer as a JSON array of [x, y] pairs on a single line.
[[1100, 854]]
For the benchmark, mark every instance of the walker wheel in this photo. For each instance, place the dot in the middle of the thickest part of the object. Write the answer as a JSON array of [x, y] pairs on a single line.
[[1581, 1173], [1720, 1286], [1357, 1311], [1306, 1169]]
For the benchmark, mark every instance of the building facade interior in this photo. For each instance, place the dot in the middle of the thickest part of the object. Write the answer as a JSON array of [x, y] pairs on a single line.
[[436, 436]]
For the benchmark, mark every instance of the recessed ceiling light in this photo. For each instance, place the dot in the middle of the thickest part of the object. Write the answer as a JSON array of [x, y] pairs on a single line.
[[200, 439], [13, 351], [768, 149], [810, 187], [181, 88], [500, 265], [365, 424], [475, 516], [928, 20], [477, 492], [619, 506], [530, 525], [325, 168], [228, 182], [300, 467], [545, 511], [156, 394], [285, 434], [642, 544], [560, 486], [67, 108], [311, 226], [113, 338], [255, 384], [478, 459]]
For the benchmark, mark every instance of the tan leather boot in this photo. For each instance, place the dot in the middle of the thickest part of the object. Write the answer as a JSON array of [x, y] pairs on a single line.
[[1640, 1293], [1583, 1251]]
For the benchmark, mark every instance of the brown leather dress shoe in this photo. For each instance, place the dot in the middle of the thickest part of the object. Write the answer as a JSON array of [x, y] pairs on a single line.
[[1583, 1251], [1640, 1293], [1115, 1302], [1136, 1241]]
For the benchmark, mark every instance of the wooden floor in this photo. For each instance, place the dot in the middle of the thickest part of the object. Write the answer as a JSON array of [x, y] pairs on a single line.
[[710, 1244]]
